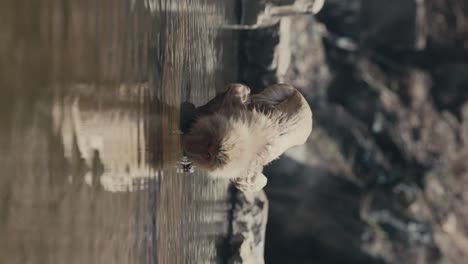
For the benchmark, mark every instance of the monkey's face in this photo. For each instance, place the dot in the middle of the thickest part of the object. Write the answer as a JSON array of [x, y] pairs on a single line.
[[201, 148], [221, 145], [203, 143], [217, 140]]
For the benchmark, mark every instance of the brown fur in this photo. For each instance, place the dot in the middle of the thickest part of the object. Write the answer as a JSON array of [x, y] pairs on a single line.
[[226, 106], [248, 131], [279, 97]]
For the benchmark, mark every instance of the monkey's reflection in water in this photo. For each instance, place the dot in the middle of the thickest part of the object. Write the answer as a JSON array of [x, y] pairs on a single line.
[[107, 134]]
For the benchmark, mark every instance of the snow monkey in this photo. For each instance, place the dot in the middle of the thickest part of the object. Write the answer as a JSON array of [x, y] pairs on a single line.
[[236, 134]]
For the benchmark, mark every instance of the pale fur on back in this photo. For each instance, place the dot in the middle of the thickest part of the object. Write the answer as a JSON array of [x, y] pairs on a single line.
[[293, 131], [259, 138], [244, 143]]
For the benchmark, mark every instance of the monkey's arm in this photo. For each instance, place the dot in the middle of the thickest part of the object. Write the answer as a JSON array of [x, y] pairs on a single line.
[[252, 183]]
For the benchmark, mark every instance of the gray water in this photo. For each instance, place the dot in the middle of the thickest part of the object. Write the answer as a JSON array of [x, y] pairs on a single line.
[[89, 96]]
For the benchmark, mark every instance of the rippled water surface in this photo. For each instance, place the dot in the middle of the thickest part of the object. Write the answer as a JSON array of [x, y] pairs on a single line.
[[89, 96]]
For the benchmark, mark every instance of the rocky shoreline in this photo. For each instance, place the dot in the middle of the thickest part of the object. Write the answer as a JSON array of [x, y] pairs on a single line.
[[381, 180]]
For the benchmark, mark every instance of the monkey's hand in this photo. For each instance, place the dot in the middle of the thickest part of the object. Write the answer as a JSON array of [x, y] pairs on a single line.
[[250, 184]]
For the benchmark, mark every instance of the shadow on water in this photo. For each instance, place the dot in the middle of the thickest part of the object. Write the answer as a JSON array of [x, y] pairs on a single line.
[[89, 114]]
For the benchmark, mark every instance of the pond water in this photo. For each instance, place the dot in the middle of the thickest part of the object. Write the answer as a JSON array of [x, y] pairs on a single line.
[[90, 95]]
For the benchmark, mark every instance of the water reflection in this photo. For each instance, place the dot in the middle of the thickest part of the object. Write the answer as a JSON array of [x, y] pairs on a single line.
[[89, 110]]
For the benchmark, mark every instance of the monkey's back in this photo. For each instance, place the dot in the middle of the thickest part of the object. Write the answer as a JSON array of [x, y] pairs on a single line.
[[288, 109]]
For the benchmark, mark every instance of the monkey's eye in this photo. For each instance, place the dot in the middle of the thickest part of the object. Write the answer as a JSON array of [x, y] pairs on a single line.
[[208, 156]]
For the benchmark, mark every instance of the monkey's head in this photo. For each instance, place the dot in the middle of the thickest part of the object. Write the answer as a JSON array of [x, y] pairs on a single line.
[[218, 139], [219, 144]]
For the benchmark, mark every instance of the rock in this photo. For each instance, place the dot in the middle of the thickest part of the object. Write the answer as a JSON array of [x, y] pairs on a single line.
[[250, 215], [386, 84], [265, 13], [257, 55]]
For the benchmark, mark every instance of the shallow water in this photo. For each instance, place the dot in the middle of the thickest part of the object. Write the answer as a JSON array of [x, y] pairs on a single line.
[[89, 97]]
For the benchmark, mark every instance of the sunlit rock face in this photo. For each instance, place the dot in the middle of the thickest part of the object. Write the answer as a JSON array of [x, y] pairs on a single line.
[[384, 168], [262, 14]]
